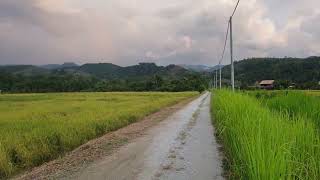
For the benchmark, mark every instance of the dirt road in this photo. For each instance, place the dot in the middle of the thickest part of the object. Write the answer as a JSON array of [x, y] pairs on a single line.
[[181, 147]]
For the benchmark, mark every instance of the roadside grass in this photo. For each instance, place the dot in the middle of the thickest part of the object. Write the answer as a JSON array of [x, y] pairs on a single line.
[[263, 144], [35, 128]]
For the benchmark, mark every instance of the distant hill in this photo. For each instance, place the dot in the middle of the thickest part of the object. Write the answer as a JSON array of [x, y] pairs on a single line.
[[305, 72], [27, 70], [99, 70], [142, 69], [175, 70], [111, 71], [214, 68], [102, 70], [59, 66], [99, 77], [196, 68], [200, 68]]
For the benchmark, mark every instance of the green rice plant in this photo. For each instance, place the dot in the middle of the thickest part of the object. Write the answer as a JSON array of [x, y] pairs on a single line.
[[35, 128], [262, 144], [297, 104]]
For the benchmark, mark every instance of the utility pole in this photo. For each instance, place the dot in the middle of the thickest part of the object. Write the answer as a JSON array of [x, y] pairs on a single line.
[[220, 75], [231, 53], [217, 79], [213, 81]]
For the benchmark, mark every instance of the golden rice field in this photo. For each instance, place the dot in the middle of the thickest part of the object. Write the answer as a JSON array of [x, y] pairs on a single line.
[[313, 92], [35, 128]]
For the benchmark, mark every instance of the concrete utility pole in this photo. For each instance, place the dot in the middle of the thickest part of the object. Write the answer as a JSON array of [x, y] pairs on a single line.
[[231, 53], [220, 75], [217, 79], [215, 76], [213, 79]]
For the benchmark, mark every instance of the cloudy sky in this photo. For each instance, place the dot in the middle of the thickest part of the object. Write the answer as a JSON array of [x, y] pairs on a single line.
[[126, 32]]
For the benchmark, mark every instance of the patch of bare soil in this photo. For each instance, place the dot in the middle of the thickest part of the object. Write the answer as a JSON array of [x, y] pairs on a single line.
[[96, 149]]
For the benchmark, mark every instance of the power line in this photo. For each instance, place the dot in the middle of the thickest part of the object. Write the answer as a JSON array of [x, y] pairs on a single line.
[[222, 55], [234, 11], [225, 44]]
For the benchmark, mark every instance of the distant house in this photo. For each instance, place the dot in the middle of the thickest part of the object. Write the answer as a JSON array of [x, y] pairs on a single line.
[[292, 86], [267, 84]]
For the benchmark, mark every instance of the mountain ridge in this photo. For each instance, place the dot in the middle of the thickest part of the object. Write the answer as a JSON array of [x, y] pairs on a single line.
[[59, 66], [99, 70], [100, 77]]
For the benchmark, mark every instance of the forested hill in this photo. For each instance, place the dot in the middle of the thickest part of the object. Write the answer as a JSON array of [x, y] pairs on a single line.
[[304, 72], [142, 70], [99, 77]]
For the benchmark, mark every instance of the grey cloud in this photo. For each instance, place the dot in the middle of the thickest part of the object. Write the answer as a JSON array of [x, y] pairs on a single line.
[[30, 34], [26, 13], [193, 57], [203, 26], [171, 12], [165, 32], [312, 26]]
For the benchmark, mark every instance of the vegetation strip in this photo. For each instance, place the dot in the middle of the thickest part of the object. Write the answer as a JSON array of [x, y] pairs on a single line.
[[39, 127], [261, 143]]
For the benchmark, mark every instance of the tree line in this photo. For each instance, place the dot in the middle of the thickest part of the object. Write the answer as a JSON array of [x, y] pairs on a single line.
[[68, 82], [302, 73]]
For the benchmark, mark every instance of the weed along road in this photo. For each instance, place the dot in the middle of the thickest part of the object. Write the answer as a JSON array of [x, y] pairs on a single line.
[[182, 147]]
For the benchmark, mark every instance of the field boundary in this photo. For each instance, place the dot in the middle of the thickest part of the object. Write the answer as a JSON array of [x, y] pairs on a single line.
[[102, 146]]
